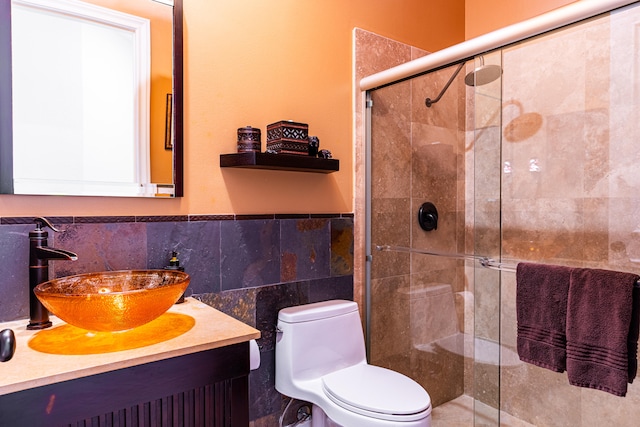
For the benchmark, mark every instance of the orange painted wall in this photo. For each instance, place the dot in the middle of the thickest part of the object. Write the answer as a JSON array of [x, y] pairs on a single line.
[[483, 16], [254, 62]]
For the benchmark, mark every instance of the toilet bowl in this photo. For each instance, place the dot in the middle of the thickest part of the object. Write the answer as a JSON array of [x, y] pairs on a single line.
[[320, 358]]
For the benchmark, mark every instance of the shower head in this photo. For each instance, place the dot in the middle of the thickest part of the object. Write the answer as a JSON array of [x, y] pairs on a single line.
[[482, 75]]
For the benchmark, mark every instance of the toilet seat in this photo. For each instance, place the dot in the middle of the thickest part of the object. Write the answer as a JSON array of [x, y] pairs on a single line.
[[377, 393]]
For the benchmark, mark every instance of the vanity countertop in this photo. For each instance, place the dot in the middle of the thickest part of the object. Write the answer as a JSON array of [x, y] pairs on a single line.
[[186, 328]]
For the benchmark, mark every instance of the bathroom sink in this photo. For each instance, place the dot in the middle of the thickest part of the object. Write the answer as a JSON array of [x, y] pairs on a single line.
[[112, 300]]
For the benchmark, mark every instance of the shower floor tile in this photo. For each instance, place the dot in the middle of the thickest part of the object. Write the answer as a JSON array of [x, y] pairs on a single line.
[[459, 413]]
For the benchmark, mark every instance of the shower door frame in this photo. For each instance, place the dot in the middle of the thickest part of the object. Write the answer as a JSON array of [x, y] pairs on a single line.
[[569, 14]]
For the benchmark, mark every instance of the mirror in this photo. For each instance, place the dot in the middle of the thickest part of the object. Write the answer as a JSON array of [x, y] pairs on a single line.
[[91, 97]]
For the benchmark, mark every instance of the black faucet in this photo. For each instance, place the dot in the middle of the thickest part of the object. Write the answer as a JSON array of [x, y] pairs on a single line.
[[39, 256]]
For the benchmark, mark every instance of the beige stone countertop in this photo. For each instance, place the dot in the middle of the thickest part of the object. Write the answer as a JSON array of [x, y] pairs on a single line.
[[66, 352]]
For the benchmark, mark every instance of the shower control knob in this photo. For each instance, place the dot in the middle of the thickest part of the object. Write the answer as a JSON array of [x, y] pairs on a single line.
[[428, 216]]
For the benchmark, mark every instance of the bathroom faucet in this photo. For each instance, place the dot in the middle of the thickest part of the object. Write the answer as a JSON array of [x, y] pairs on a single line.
[[39, 256]]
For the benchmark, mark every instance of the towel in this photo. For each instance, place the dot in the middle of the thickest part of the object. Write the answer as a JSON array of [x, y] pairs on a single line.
[[541, 311], [634, 332], [602, 333]]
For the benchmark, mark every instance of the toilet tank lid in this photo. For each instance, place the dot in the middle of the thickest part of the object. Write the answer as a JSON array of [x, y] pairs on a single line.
[[317, 310]]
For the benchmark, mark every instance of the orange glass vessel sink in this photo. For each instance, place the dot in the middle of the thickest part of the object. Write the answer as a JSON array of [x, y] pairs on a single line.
[[112, 300]]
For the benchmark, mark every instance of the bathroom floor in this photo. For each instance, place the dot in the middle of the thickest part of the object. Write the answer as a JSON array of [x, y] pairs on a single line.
[[459, 413]]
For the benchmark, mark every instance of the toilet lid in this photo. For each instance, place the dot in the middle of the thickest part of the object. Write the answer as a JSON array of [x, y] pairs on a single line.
[[377, 392]]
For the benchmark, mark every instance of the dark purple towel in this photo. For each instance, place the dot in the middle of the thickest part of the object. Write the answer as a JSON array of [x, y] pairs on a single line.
[[541, 309], [634, 332], [602, 333]]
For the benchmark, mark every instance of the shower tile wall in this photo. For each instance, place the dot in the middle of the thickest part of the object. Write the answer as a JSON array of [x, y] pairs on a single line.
[[416, 157], [248, 268], [373, 53], [569, 192], [544, 168]]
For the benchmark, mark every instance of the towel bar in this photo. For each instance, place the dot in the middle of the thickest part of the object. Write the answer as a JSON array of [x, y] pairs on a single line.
[[484, 261]]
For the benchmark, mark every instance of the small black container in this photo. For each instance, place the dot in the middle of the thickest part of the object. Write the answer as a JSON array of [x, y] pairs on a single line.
[[314, 144], [174, 264]]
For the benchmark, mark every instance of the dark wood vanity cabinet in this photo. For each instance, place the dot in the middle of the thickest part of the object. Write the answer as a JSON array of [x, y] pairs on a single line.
[[209, 388]]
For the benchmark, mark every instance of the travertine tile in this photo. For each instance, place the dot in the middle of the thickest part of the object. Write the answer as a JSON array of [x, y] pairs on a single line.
[[465, 412]]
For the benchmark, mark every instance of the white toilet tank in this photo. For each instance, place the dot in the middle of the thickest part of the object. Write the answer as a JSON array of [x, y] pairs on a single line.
[[315, 339]]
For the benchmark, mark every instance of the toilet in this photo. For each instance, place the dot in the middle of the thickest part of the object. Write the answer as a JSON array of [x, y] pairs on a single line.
[[320, 358]]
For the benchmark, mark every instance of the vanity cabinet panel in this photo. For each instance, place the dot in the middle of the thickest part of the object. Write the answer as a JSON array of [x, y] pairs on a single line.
[[209, 388]]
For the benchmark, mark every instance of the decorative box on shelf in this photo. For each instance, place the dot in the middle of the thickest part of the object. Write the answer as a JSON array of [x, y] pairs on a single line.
[[248, 139], [288, 137]]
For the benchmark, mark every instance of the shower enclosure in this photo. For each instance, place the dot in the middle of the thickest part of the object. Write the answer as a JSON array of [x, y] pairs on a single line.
[[539, 164]]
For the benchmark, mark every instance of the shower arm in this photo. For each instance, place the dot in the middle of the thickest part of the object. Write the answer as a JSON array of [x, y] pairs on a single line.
[[429, 102]]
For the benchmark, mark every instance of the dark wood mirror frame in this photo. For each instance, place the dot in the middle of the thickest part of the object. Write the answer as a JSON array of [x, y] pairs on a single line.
[[178, 99], [6, 151]]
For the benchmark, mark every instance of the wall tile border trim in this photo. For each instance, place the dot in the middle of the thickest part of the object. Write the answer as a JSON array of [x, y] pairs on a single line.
[[168, 218]]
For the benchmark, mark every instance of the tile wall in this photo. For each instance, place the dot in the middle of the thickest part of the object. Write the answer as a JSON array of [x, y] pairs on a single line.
[[246, 266], [570, 194], [548, 172], [416, 156]]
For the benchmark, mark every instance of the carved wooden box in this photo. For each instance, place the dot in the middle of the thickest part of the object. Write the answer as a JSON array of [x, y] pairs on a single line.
[[288, 137]]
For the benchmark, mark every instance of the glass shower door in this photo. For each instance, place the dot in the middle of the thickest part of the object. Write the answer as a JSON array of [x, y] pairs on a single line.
[[483, 184]]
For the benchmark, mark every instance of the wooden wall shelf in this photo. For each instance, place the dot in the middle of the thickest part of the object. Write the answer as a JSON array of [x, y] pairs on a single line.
[[253, 160]]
